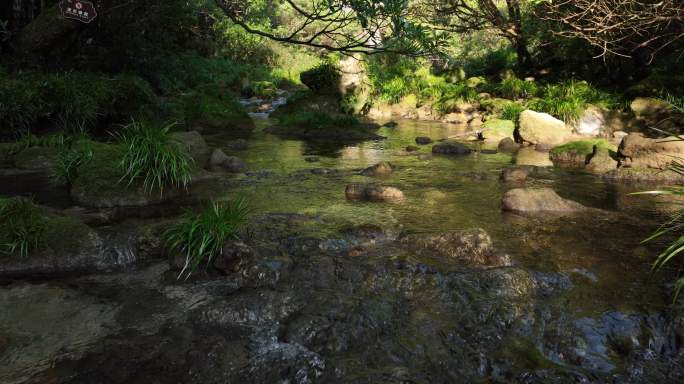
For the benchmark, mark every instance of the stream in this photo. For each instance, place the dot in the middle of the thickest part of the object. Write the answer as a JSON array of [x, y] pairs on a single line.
[[333, 291]]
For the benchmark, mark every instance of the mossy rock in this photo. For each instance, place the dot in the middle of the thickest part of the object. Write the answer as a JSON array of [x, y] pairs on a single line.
[[577, 153], [498, 129], [36, 158], [321, 126], [68, 245], [206, 113], [7, 154], [100, 182], [323, 79]]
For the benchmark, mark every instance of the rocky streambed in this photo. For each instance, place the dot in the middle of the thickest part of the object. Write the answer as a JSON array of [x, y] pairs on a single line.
[[440, 286]]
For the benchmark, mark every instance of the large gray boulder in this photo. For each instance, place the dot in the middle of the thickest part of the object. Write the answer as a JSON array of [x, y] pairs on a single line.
[[542, 128], [528, 200]]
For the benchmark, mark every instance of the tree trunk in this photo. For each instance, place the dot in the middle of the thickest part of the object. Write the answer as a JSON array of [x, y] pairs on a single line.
[[524, 57]]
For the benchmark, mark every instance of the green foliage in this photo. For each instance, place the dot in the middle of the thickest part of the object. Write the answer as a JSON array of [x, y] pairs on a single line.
[[211, 110], [392, 80], [512, 111], [22, 226], [69, 159], [201, 236], [317, 120], [491, 62], [153, 157], [514, 88], [567, 101], [324, 78], [72, 101]]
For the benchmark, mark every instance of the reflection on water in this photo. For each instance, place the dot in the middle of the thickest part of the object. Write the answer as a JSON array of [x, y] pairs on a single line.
[[453, 193]]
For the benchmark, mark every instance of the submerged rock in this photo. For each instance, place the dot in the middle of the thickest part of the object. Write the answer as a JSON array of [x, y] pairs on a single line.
[[373, 192], [423, 140], [508, 145], [472, 247], [451, 147], [514, 174], [219, 161], [528, 200], [542, 128], [383, 168]]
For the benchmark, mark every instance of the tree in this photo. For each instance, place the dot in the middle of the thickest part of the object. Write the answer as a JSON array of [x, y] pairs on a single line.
[[462, 16], [624, 28], [348, 26]]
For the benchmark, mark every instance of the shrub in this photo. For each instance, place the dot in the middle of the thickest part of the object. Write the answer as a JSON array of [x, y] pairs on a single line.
[[22, 226], [201, 236], [324, 78], [152, 156], [514, 88], [567, 101]]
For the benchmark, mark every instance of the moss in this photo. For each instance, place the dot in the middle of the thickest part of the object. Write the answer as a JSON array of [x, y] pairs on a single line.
[[213, 112], [583, 147], [498, 128], [65, 235]]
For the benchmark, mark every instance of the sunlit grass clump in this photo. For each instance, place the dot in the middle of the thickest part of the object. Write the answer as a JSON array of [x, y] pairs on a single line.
[[22, 226], [568, 101], [153, 157], [200, 236]]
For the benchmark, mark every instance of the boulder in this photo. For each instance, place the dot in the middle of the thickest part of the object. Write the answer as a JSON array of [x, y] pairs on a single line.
[[381, 169], [528, 200], [36, 158], [538, 128], [471, 247], [412, 148], [373, 192], [450, 147], [497, 129], [390, 124], [237, 145], [576, 154], [637, 151], [423, 140], [514, 174], [508, 145], [193, 142], [657, 113], [601, 161], [220, 162]]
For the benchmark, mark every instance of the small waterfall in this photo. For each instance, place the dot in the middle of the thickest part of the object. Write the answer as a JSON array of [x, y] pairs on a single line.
[[259, 108]]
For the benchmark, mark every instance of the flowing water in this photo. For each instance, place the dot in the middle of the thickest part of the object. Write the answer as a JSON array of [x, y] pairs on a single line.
[[595, 312]]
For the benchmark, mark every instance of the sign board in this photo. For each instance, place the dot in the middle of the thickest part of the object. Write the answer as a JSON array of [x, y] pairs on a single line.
[[78, 10]]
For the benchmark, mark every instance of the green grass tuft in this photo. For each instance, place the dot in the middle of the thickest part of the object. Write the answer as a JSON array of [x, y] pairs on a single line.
[[152, 156], [512, 111], [201, 236], [22, 226], [567, 101], [514, 88]]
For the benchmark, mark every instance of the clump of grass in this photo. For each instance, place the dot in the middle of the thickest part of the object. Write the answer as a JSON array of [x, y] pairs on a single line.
[[512, 111], [201, 236], [567, 101], [22, 226], [317, 120], [69, 159], [514, 88], [151, 155]]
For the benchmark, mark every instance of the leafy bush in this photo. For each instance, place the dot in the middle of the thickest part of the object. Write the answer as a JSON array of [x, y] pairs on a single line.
[[22, 226], [567, 101], [153, 157], [201, 236], [70, 101], [514, 88], [324, 78]]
